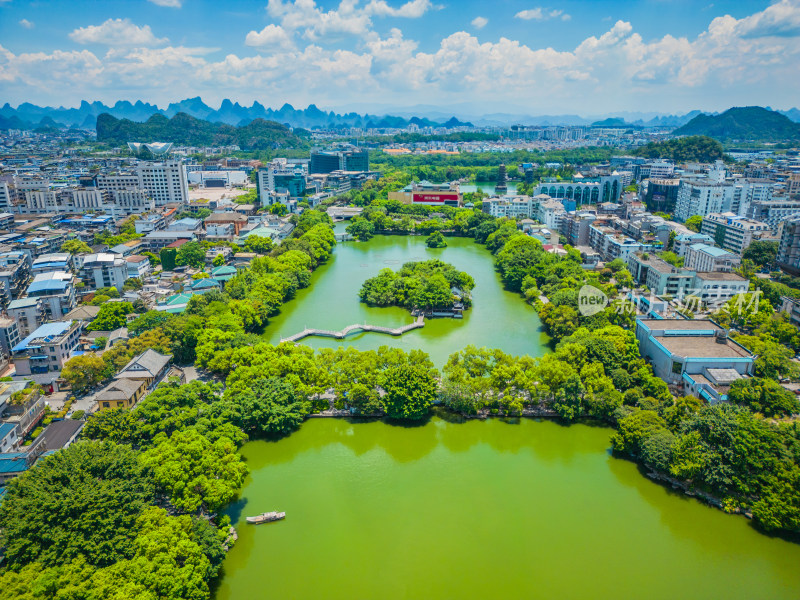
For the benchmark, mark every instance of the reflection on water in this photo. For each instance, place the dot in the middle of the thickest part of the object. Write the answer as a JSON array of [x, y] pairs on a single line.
[[483, 510], [497, 317]]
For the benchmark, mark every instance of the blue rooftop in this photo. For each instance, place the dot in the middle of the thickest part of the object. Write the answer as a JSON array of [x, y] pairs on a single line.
[[712, 250], [6, 428], [48, 331], [48, 285], [13, 462]]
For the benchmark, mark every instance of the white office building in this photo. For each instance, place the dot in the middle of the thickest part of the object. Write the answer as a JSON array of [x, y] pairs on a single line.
[[746, 191], [166, 181], [511, 207], [702, 257], [104, 270], [702, 197]]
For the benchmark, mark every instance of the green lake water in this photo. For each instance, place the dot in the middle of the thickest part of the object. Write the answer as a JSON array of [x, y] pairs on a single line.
[[487, 186], [498, 319], [483, 510], [476, 510]]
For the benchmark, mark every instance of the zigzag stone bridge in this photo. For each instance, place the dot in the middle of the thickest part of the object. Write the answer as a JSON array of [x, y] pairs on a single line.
[[339, 335]]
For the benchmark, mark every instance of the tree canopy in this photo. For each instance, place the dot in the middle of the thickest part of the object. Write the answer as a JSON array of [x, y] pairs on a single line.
[[424, 284]]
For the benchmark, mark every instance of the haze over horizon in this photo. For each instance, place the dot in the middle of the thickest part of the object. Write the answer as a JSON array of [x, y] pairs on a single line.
[[574, 57]]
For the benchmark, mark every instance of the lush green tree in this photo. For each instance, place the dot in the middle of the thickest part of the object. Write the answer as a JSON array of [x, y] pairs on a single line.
[[147, 321], [266, 406], [196, 473], [278, 209], [84, 371], [656, 449], [765, 396], [773, 360], [168, 562], [132, 284], [410, 391], [260, 244], [82, 501], [154, 259], [76, 247], [110, 292], [190, 254], [425, 284], [763, 254], [634, 429], [112, 315], [693, 148], [116, 425], [436, 240], [361, 229], [168, 258], [218, 261], [695, 222]]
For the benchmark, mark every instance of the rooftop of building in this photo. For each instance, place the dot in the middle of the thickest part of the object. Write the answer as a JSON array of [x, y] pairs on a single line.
[[59, 433], [56, 257], [13, 462], [702, 346], [100, 257], [44, 334], [712, 250], [720, 276], [54, 281], [23, 303], [155, 235], [6, 428], [680, 324], [82, 313]]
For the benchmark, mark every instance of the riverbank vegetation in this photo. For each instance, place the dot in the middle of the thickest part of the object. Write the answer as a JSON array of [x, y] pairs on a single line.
[[134, 508], [430, 284]]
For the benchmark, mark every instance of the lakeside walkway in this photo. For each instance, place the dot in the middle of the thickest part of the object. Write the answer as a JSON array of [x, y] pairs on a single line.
[[339, 335]]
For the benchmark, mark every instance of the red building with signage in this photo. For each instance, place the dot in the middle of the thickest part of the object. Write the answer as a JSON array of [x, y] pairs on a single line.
[[429, 194]]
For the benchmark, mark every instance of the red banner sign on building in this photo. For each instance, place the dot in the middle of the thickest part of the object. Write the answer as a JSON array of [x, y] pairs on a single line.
[[435, 197]]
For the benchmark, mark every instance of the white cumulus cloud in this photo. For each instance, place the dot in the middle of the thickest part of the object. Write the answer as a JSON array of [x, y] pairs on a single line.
[[542, 14], [26, 24], [412, 9], [117, 32], [479, 22], [271, 36], [751, 60], [316, 23]]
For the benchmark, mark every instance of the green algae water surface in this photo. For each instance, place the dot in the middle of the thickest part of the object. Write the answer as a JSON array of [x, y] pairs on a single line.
[[498, 318], [483, 510]]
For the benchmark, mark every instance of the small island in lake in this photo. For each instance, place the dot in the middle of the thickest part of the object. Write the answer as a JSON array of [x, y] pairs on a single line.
[[436, 240], [431, 287]]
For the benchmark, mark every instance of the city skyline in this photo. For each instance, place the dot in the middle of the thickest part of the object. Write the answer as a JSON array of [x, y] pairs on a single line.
[[557, 58]]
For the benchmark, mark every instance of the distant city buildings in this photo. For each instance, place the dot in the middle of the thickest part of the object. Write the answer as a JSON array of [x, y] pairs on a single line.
[[327, 161]]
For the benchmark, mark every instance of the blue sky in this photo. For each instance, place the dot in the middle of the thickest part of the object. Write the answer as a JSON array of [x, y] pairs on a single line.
[[583, 57]]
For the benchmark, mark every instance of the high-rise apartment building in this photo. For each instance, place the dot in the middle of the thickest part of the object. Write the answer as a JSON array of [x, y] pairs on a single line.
[[702, 197], [326, 161], [788, 257], [746, 191], [732, 232], [165, 181]]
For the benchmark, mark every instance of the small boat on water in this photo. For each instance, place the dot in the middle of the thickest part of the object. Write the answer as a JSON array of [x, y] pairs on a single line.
[[266, 517]]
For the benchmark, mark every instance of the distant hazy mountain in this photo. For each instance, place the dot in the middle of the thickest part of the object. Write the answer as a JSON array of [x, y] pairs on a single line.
[[29, 116], [743, 123], [258, 134]]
